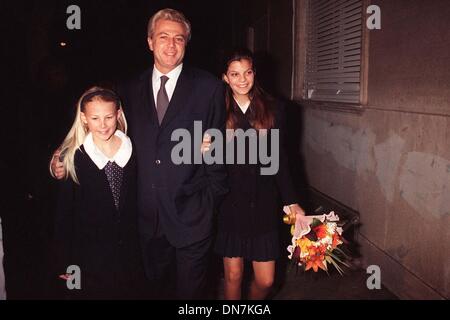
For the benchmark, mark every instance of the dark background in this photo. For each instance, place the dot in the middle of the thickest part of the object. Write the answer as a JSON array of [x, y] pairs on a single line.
[[41, 81]]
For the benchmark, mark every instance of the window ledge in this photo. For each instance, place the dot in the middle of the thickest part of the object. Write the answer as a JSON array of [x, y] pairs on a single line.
[[333, 106]]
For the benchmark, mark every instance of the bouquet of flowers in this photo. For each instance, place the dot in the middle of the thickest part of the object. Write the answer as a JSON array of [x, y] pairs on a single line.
[[318, 245]]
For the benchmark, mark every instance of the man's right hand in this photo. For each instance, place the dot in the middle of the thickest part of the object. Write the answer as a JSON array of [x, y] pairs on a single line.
[[57, 166]]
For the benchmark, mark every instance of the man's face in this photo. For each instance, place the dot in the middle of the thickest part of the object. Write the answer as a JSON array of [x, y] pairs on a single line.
[[168, 44]]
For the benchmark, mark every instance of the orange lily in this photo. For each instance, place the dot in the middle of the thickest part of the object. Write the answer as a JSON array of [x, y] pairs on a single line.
[[321, 231], [315, 263], [336, 240]]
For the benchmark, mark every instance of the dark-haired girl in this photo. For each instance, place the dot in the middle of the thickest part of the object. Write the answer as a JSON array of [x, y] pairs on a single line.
[[250, 214]]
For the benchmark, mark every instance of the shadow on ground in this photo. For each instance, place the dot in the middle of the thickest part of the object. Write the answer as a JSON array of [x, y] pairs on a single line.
[[321, 286]]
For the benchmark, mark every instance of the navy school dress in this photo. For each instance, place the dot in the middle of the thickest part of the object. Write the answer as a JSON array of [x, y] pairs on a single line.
[[96, 227], [250, 213]]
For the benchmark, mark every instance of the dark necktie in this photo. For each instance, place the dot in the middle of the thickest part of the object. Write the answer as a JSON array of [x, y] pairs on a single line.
[[114, 174], [162, 99]]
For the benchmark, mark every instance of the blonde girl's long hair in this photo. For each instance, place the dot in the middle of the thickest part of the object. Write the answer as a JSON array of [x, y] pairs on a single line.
[[78, 132]]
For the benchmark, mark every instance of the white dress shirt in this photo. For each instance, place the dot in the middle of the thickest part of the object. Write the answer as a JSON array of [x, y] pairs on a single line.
[[100, 159], [170, 84]]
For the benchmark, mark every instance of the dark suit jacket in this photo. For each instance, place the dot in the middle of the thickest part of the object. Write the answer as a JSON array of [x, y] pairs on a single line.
[[180, 198]]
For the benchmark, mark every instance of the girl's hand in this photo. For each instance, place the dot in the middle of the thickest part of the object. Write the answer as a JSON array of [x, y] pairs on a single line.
[[206, 143], [299, 213], [65, 276]]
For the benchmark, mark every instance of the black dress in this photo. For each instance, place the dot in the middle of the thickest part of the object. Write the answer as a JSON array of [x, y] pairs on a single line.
[[250, 213], [92, 234]]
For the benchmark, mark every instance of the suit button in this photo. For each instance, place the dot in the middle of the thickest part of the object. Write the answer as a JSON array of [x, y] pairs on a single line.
[[158, 161], [252, 204], [153, 186]]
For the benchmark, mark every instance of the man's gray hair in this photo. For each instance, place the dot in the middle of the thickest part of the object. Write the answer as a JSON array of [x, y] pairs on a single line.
[[171, 15]]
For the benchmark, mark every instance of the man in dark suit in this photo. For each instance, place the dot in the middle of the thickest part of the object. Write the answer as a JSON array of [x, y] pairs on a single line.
[[175, 201]]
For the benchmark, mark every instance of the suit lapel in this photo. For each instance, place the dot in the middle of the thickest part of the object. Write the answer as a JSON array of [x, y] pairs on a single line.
[[180, 97], [146, 92]]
